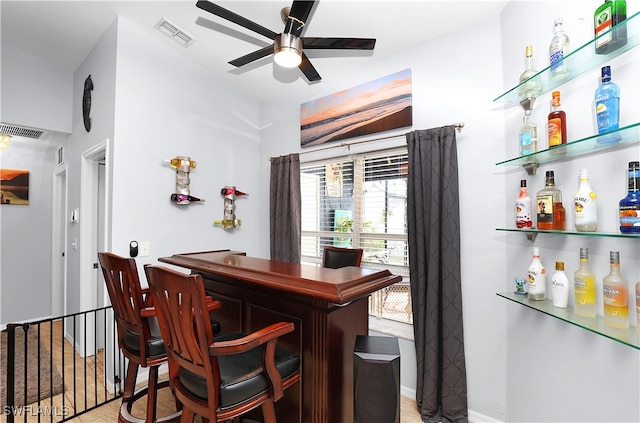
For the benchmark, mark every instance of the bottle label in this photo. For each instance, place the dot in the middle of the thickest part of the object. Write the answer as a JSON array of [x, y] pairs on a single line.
[[555, 58], [630, 215], [585, 211], [607, 112], [555, 132], [544, 206], [537, 281], [525, 143], [614, 296], [523, 213], [603, 23], [584, 290]]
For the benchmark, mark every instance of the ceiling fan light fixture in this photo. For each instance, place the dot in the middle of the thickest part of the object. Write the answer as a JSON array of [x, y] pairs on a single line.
[[287, 50], [5, 140]]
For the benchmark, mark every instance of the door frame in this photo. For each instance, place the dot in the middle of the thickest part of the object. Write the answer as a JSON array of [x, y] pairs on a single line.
[[59, 242]]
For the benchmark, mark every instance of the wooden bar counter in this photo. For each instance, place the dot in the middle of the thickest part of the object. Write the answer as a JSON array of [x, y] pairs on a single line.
[[329, 308]]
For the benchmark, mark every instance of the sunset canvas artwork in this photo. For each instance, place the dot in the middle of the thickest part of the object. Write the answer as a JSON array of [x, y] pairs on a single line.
[[14, 187], [375, 106]]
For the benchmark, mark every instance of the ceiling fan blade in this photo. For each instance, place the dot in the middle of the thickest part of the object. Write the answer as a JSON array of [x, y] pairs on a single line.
[[298, 15], [248, 58], [309, 71], [235, 18], [339, 43]]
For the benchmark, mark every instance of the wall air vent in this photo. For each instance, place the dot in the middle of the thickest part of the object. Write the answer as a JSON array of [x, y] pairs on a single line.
[[20, 131], [173, 32]]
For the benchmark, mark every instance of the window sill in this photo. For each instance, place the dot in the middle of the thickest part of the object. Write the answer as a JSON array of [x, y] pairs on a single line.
[[391, 327]]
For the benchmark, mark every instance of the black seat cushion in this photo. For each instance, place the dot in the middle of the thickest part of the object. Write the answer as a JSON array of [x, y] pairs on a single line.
[[155, 344], [241, 374], [337, 259]]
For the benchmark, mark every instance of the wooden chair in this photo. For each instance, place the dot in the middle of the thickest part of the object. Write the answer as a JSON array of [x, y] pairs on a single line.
[[337, 257], [139, 337], [224, 378]]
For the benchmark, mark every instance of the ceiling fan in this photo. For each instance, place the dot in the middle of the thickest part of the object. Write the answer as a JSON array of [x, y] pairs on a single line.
[[288, 46]]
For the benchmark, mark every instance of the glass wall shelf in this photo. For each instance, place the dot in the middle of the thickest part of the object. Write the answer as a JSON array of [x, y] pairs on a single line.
[[593, 144], [580, 61], [596, 324], [594, 234]]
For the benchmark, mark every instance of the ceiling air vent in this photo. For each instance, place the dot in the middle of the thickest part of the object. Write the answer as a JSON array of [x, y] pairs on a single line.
[[173, 32], [18, 131]]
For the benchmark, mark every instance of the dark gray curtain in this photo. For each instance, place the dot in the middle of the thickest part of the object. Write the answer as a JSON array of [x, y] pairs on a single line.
[[434, 265], [284, 201]]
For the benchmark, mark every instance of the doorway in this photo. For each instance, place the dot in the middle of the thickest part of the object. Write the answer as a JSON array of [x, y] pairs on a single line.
[[59, 242]]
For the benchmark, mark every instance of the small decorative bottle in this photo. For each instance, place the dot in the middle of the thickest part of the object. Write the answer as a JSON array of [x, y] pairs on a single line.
[[523, 208], [615, 289], [528, 135], [537, 283], [557, 126], [584, 287], [629, 206], [606, 17], [638, 306], [560, 286], [530, 88], [558, 50], [550, 213], [585, 210], [607, 104]]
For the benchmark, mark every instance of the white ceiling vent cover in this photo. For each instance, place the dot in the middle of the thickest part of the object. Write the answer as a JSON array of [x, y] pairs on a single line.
[[173, 32], [20, 131]]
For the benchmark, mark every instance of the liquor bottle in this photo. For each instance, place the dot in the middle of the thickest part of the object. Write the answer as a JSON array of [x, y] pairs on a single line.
[[523, 208], [550, 213], [615, 289], [185, 197], [560, 286], [638, 306], [609, 34], [629, 206], [530, 88], [528, 135], [557, 125], [584, 287], [180, 161], [558, 50], [585, 211], [232, 191], [537, 282], [607, 106]]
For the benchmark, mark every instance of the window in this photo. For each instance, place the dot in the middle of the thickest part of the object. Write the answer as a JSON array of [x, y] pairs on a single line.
[[361, 202]]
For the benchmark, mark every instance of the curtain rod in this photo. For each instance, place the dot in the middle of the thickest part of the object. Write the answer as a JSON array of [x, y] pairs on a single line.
[[458, 126]]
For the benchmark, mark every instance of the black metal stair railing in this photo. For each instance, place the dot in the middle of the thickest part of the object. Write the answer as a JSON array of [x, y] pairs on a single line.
[[87, 361]]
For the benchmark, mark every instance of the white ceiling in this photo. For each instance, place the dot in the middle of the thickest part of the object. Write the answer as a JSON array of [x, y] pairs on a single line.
[[63, 32]]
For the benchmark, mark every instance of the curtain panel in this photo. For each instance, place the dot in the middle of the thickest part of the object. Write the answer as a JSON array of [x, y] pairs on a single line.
[[433, 220], [285, 227]]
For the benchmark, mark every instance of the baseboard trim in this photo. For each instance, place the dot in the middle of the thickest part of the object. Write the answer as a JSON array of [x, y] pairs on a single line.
[[473, 416]]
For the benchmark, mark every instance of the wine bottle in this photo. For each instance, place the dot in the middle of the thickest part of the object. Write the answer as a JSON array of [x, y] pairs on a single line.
[[530, 88], [629, 206], [585, 210], [560, 286], [180, 161], [558, 50], [537, 282], [523, 208], [615, 289], [610, 35], [607, 107], [528, 135], [232, 191], [584, 287], [185, 197], [550, 213], [557, 126]]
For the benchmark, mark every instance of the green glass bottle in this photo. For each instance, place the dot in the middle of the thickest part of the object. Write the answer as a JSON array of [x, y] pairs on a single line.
[[606, 19]]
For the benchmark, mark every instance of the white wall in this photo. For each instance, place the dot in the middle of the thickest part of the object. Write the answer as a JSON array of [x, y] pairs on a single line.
[[454, 79], [555, 371]]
